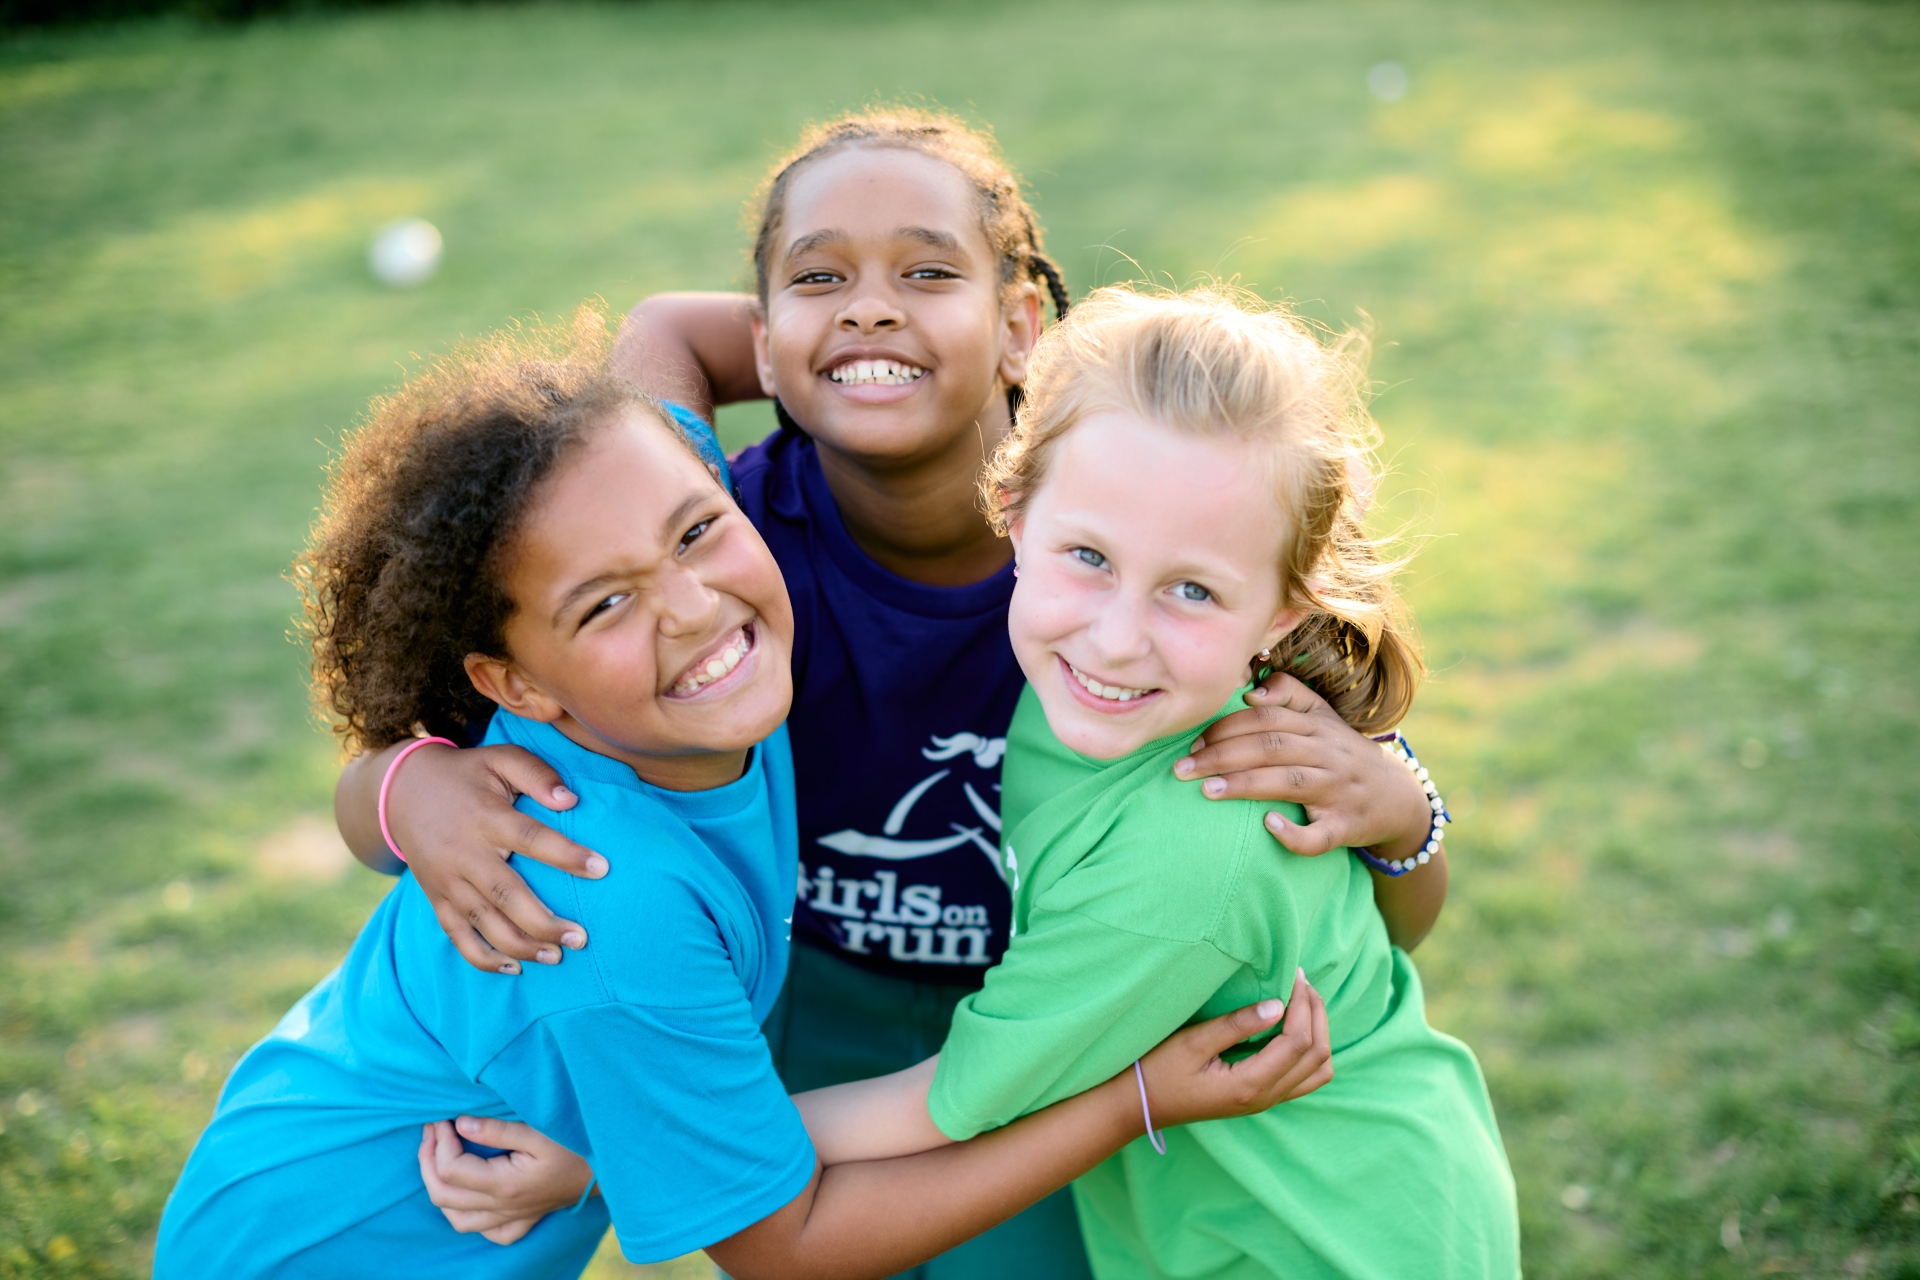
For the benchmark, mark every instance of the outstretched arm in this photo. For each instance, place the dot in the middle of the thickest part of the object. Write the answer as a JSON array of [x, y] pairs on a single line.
[[894, 1190], [1290, 745], [695, 349]]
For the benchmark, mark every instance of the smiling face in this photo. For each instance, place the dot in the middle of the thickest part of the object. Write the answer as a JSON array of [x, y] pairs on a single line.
[[887, 331], [650, 623], [1149, 577]]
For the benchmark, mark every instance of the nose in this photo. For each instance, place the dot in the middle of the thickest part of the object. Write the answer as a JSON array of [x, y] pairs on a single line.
[[871, 310], [687, 604], [1118, 630]]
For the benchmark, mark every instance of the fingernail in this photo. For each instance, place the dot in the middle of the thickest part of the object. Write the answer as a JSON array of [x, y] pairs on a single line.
[[563, 796], [1184, 768], [1270, 1008], [1300, 974], [510, 966], [547, 955], [1214, 787], [596, 866], [573, 940], [467, 1125], [1275, 822], [1258, 691]]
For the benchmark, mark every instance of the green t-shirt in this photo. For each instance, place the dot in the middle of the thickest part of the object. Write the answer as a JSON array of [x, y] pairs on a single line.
[[1141, 906]]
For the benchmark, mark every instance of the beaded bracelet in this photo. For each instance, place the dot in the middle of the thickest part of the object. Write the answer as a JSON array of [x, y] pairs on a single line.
[[1395, 744]]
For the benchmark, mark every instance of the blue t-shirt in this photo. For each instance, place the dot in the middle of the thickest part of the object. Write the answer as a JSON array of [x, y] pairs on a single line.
[[902, 697], [643, 1053]]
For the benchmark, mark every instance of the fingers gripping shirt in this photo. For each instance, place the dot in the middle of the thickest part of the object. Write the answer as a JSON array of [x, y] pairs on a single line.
[[642, 1053]]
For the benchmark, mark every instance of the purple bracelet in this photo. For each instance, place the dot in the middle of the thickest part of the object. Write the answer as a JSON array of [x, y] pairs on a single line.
[[1395, 744], [1158, 1140]]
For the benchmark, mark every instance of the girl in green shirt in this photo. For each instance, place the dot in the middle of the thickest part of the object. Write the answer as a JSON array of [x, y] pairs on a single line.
[[1183, 490]]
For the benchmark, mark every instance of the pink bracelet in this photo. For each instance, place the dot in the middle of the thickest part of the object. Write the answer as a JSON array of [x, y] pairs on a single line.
[[1159, 1140], [386, 785]]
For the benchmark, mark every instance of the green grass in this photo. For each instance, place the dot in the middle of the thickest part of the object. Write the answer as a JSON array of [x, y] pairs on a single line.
[[1646, 279]]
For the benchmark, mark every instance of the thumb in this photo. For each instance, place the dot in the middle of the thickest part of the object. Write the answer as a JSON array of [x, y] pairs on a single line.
[[1217, 1035], [508, 1135], [525, 774], [1309, 840]]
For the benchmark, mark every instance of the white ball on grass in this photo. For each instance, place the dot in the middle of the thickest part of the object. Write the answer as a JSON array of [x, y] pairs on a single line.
[[405, 253], [1388, 81]]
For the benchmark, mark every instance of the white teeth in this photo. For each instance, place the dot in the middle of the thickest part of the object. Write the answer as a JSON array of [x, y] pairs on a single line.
[[715, 667], [1110, 692], [883, 373]]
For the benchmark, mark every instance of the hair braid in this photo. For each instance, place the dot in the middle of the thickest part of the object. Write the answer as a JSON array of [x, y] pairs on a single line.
[[1041, 265]]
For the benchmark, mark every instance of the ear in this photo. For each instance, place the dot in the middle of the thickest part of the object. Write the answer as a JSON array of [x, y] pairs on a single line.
[[1283, 622], [1022, 329], [1016, 531], [762, 349], [502, 682]]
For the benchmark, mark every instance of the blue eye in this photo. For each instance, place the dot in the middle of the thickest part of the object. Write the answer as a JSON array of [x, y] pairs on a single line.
[[1089, 557], [1193, 591]]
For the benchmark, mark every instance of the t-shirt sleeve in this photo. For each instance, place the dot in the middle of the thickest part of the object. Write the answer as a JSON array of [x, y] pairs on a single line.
[[679, 1111], [1074, 1001], [704, 438]]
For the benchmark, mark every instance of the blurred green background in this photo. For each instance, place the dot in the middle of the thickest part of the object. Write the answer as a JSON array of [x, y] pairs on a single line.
[[1646, 282]]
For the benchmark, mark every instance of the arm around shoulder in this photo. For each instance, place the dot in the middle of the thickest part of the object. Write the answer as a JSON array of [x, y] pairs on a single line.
[[695, 349]]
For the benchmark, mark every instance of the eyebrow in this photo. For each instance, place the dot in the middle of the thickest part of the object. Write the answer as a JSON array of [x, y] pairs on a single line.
[[674, 520], [816, 240], [944, 241]]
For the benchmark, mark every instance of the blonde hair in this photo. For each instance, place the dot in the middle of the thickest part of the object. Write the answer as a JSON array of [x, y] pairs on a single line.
[[1219, 361]]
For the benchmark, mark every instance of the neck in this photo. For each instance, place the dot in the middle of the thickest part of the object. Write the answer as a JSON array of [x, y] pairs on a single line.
[[920, 517], [694, 771]]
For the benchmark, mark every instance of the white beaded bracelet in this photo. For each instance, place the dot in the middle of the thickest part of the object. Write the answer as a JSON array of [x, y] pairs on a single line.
[[1394, 744]]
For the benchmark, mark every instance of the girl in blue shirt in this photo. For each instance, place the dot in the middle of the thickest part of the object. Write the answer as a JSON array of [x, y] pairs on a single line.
[[520, 539]]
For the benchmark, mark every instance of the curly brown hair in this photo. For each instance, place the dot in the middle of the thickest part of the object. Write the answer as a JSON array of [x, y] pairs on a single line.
[[403, 571], [1219, 361], [1006, 217]]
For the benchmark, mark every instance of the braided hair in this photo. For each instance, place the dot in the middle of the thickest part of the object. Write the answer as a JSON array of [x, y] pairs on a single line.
[[1005, 216]]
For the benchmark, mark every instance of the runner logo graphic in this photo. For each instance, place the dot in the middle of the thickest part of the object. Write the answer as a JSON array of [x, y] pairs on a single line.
[[910, 921]]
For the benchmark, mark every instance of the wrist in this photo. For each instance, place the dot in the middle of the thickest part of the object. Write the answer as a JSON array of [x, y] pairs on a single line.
[[383, 804], [1417, 847]]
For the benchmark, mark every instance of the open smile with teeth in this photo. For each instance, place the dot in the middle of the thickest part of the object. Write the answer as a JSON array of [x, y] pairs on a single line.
[[1110, 692], [875, 373], [717, 667]]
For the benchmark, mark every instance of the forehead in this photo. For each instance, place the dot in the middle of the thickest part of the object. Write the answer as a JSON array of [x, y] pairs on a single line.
[[868, 191], [1168, 496], [617, 486]]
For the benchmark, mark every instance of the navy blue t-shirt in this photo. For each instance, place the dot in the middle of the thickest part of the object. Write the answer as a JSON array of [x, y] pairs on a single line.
[[902, 697]]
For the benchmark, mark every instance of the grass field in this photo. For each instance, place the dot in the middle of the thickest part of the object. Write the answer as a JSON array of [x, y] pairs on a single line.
[[1646, 279]]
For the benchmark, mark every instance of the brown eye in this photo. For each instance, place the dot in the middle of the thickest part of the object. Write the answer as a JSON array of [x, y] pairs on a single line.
[[692, 535], [603, 606]]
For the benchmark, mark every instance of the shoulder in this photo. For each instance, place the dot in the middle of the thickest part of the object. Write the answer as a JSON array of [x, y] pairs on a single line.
[[660, 923], [1166, 861]]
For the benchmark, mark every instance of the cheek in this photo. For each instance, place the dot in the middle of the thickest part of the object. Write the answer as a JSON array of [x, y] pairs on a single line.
[[1205, 650], [1047, 605]]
